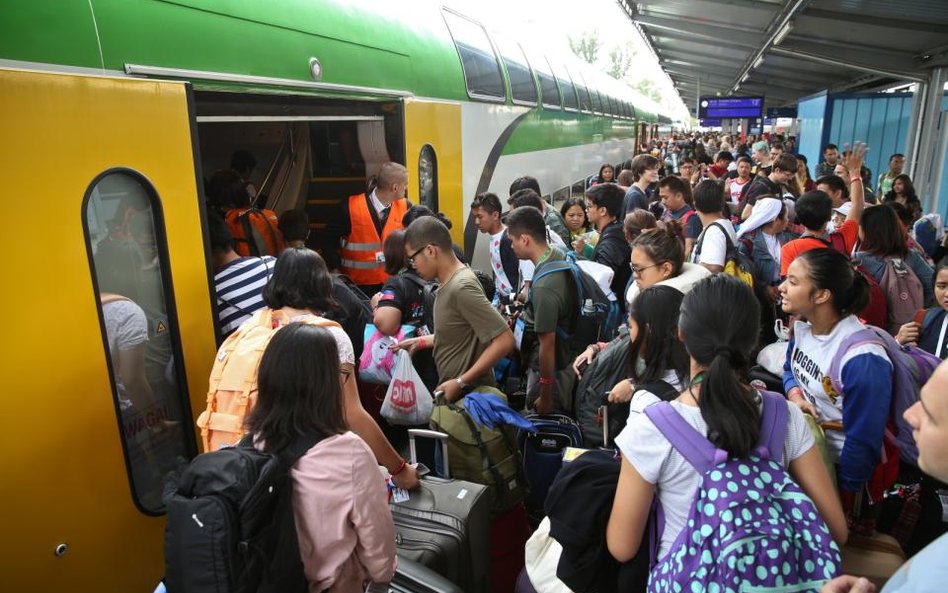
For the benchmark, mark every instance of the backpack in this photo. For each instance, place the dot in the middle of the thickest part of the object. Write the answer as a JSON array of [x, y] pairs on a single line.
[[876, 311], [736, 262], [607, 369], [598, 318], [911, 368], [480, 454], [233, 383], [903, 292], [428, 293], [354, 310], [619, 412], [255, 231], [751, 527], [230, 525]]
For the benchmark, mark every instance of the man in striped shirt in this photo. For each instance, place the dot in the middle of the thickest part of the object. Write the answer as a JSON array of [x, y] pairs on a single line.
[[238, 281]]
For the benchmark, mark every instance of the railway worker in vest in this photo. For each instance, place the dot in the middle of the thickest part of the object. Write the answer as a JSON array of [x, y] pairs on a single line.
[[503, 261], [551, 215], [470, 336], [238, 281], [371, 217], [551, 307]]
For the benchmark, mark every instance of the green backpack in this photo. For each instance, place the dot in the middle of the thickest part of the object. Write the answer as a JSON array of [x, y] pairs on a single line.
[[482, 455]]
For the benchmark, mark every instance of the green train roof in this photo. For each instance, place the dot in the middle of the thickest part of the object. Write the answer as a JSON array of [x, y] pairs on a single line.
[[402, 46]]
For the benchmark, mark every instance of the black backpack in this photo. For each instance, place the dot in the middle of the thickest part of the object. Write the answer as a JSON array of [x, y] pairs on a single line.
[[607, 369], [230, 526], [428, 289], [353, 312]]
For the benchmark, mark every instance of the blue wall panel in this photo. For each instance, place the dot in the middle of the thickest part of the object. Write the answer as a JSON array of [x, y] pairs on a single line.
[[882, 121], [812, 115]]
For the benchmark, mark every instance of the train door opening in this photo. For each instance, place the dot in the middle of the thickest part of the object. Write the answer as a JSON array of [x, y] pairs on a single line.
[[309, 153]]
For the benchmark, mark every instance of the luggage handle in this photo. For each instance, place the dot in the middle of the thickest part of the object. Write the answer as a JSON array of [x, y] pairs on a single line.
[[429, 434]]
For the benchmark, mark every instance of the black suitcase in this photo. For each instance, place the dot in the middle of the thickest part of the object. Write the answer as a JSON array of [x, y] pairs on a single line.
[[412, 577], [445, 525]]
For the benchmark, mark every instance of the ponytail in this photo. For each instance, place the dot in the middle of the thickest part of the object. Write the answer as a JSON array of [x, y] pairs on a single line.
[[830, 270], [723, 344]]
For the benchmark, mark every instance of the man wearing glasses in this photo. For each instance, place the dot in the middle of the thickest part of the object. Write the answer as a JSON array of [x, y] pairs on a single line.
[[470, 336]]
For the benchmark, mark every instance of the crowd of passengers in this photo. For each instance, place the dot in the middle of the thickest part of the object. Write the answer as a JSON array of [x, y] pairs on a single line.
[[824, 257]]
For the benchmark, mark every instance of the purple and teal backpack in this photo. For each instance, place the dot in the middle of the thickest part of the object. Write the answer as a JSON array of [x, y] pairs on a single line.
[[751, 528]]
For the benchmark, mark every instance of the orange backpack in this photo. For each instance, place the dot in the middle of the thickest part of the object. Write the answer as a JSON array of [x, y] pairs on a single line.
[[255, 231], [233, 383]]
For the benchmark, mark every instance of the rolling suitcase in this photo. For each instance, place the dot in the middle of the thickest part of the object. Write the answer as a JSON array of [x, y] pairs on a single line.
[[412, 577], [543, 453], [445, 525]]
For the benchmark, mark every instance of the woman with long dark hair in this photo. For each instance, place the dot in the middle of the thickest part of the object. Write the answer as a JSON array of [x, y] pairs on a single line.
[[300, 290], [884, 247], [656, 355], [823, 287], [903, 192], [718, 403], [340, 504]]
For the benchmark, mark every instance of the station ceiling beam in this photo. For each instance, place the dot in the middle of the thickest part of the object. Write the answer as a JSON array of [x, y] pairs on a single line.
[[867, 19]]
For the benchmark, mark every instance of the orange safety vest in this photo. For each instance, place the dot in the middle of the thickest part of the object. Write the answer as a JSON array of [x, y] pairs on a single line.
[[361, 254]]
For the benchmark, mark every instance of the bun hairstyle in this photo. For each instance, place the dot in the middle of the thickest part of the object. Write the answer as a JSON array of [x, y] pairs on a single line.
[[830, 270], [723, 345], [662, 245]]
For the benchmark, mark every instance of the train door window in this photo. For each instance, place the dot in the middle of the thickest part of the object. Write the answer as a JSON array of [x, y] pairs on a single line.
[[584, 102], [428, 178], [596, 101], [570, 100], [478, 60], [127, 250], [523, 87]]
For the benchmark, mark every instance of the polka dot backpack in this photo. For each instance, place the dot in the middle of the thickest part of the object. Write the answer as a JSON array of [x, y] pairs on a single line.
[[751, 527]]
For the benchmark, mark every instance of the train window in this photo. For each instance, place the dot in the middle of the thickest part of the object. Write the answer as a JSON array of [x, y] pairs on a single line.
[[596, 101], [428, 178], [127, 251], [478, 60], [584, 102], [570, 100], [549, 95], [522, 85]]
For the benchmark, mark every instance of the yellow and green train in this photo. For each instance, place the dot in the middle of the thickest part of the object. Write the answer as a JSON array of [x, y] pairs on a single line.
[[117, 111]]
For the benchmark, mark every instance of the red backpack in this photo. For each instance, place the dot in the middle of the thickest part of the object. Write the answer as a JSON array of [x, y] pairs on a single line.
[[876, 312]]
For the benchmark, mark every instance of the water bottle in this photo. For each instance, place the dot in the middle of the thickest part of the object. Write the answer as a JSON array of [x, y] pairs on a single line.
[[589, 308]]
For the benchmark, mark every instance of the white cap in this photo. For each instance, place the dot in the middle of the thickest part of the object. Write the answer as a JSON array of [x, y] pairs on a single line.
[[844, 209]]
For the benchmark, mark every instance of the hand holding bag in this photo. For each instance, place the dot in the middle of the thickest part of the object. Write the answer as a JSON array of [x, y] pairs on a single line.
[[407, 400]]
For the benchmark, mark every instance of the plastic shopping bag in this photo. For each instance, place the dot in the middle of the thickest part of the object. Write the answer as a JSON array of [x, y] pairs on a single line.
[[378, 361], [407, 400]]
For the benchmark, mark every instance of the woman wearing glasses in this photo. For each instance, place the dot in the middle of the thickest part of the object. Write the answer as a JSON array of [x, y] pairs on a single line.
[[657, 259]]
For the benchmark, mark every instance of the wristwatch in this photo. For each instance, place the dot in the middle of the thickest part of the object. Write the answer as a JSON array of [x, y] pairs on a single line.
[[461, 383]]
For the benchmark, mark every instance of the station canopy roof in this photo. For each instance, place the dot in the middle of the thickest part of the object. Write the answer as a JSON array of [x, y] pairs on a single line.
[[791, 49]]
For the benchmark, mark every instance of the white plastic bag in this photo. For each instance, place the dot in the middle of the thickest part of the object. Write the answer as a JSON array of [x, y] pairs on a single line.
[[407, 400]]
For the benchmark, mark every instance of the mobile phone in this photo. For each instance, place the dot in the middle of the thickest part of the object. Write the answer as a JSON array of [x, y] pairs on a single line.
[[422, 469]]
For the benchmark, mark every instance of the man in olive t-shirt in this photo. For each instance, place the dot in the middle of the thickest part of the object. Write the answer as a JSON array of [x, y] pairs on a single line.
[[552, 305], [469, 336]]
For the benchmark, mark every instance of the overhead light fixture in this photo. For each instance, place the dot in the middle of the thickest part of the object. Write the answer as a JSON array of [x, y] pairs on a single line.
[[745, 77], [784, 31], [758, 62]]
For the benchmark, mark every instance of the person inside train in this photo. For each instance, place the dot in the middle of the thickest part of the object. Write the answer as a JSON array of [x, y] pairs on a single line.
[[551, 215], [548, 314], [607, 174], [363, 223], [470, 336], [301, 287], [508, 269], [823, 287], [718, 403], [416, 212], [242, 162], [238, 281], [340, 504], [926, 571], [294, 224]]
